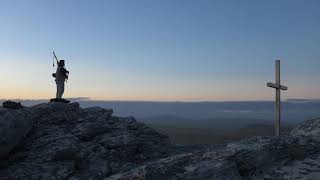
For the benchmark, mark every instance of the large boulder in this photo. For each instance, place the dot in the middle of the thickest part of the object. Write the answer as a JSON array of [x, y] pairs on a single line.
[[68, 141], [14, 126]]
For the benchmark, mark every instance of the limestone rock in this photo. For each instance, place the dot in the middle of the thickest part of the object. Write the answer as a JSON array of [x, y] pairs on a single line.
[[14, 126], [68, 142], [255, 158], [307, 128]]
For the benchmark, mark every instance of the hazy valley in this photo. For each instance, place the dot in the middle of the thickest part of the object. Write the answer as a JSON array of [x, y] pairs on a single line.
[[208, 122]]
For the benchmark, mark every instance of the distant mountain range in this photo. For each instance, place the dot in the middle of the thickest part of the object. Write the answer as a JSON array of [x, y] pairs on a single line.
[[208, 122], [294, 110]]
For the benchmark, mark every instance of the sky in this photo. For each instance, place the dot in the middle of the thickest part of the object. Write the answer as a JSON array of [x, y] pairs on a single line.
[[160, 50]]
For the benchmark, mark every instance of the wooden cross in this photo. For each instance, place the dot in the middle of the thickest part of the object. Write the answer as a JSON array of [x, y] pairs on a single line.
[[278, 88]]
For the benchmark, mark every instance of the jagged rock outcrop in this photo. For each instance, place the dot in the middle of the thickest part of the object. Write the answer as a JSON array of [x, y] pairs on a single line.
[[287, 157], [256, 158], [309, 127], [68, 142]]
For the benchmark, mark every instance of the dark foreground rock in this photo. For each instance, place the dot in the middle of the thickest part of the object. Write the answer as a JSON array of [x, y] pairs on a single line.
[[67, 141], [64, 141], [12, 105], [14, 126]]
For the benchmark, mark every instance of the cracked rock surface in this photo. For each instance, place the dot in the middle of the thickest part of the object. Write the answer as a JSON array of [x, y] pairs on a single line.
[[67, 141], [64, 141]]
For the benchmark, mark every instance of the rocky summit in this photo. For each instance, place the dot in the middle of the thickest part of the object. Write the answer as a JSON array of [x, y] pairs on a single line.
[[64, 141]]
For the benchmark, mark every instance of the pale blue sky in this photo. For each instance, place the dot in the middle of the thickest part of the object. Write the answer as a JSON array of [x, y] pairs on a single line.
[[188, 50]]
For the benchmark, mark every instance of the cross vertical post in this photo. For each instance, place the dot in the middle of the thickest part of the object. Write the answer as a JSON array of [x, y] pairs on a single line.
[[278, 99], [278, 87]]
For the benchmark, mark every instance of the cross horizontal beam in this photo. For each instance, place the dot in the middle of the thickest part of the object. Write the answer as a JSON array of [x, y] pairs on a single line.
[[277, 86]]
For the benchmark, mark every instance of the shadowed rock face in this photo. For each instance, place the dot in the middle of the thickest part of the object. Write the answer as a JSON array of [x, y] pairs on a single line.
[[14, 125], [68, 142]]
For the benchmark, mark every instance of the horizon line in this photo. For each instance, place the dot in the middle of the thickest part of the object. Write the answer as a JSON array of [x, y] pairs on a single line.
[[159, 101]]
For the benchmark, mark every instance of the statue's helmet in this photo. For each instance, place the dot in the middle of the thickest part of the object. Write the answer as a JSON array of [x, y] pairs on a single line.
[[61, 63]]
